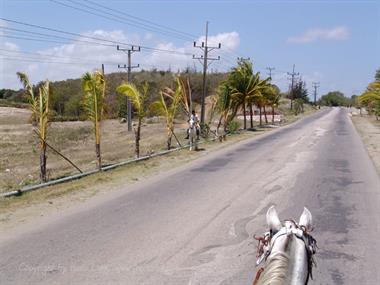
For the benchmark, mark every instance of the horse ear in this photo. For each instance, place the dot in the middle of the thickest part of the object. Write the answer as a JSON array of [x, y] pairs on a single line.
[[273, 220], [306, 219]]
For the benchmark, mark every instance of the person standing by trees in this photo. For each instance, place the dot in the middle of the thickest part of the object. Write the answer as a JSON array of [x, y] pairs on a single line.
[[194, 117]]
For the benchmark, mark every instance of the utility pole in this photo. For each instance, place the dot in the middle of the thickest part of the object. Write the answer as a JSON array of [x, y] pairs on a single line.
[[315, 86], [293, 74], [129, 67], [270, 71], [205, 58]]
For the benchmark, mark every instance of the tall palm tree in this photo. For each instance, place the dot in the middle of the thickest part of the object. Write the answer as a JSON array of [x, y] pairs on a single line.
[[40, 109], [246, 87], [256, 96], [94, 86], [240, 82], [224, 105], [271, 97], [168, 106], [139, 101]]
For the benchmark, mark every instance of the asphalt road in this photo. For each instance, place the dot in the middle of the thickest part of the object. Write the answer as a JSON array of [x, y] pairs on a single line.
[[194, 225]]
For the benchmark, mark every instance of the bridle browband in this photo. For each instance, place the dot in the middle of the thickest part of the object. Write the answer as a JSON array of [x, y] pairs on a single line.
[[266, 242]]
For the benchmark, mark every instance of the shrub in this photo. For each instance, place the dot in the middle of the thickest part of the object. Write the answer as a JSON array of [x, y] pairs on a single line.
[[233, 126]]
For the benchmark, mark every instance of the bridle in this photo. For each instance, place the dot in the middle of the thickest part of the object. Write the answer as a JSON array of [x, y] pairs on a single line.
[[267, 241]]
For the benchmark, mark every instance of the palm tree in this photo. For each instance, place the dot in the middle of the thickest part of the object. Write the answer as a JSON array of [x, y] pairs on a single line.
[[273, 98], [224, 105], [240, 82], [139, 101], [40, 110], [256, 96], [94, 86], [271, 94], [246, 88], [168, 106]]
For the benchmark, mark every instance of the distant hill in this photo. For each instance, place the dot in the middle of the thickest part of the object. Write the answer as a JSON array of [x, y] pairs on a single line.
[[66, 99]]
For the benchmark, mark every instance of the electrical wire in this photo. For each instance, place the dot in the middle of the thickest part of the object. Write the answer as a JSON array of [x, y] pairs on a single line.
[[143, 20], [94, 38], [114, 18]]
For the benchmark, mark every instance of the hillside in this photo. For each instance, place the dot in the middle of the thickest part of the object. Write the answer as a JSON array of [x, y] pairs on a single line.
[[66, 99]]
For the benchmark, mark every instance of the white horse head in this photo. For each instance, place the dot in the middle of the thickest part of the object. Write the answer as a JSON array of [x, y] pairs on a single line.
[[193, 135], [288, 249]]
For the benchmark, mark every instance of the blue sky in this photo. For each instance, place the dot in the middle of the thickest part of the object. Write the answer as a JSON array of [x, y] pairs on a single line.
[[336, 43]]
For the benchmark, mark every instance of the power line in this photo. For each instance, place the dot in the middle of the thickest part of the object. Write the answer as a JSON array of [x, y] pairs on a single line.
[[50, 56], [114, 43], [205, 58], [43, 61], [141, 19], [115, 18]]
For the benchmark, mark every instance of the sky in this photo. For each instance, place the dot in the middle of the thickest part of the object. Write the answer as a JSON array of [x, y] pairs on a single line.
[[335, 43]]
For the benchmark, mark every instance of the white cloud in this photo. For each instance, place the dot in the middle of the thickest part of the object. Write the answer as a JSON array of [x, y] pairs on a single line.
[[228, 40], [334, 34], [71, 60]]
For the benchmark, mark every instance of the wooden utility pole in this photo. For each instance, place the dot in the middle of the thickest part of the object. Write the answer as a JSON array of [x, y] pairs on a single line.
[[129, 67], [270, 71], [204, 60], [315, 86], [293, 74]]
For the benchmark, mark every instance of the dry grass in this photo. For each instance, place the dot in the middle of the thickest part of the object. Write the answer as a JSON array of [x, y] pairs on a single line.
[[19, 151]]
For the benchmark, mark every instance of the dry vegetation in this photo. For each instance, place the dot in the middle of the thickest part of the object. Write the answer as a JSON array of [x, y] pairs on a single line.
[[19, 155]]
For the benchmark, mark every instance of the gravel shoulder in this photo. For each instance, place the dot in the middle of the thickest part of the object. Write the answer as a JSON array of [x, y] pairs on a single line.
[[369, 131]]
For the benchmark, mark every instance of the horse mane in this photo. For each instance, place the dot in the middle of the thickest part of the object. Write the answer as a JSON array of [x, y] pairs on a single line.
[[276, 270]]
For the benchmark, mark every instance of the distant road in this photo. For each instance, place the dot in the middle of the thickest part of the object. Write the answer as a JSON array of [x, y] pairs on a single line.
[[194, 225]]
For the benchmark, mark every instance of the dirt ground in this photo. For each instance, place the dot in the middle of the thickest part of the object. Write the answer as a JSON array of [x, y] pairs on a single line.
[[369, 130], [19, 149]]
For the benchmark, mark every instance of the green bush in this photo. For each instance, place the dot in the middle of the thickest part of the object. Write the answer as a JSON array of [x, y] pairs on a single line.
[[233, 126]]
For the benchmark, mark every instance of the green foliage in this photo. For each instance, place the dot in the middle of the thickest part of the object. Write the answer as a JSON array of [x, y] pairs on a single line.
[[233, 126], [371, 98], [377, 75], [298, 106], [73, 107], [334, 98], [93, 85], [39, 104], [138, 99], [300, 91], [168, 106], [66, 96]]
